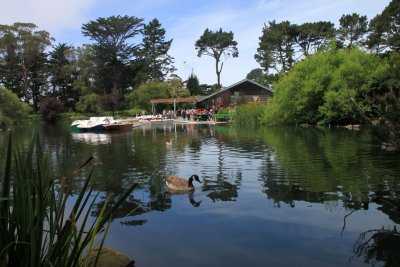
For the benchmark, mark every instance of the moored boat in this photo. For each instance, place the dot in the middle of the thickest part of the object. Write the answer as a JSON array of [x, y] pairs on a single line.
[[95, 124], [118, 126], [153, 119], [74, 125], [92, 124]]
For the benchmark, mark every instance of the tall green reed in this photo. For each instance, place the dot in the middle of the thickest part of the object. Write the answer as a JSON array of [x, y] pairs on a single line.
[[34, 227], [249, 114]]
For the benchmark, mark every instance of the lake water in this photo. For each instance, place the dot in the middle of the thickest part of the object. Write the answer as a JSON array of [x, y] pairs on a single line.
[[269, 197]]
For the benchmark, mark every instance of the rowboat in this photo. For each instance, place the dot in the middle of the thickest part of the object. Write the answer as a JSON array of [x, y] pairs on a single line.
[[121, 125], [90, 125], [96, 124]]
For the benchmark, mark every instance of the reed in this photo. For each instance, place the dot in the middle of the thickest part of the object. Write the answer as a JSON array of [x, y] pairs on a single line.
[[249, 114], [34, 227]]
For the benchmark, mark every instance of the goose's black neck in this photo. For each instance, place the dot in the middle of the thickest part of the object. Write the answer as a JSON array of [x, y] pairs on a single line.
[[190, 182]]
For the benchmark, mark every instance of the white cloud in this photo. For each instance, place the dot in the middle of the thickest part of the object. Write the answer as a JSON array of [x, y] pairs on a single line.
[[53, 16]]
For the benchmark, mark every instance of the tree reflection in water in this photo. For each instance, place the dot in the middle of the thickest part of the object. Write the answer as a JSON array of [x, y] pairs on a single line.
[[221, 190], [382, 244], [379, 245], [291, 167]]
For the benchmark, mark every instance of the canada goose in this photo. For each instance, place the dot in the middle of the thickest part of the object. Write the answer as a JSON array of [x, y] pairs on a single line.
[[180, 184]]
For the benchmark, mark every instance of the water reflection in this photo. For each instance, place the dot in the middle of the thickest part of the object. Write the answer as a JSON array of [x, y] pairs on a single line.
[[190, 195], [310, 180], [92, 138], [318, 165], [221, 190], [379, 245]]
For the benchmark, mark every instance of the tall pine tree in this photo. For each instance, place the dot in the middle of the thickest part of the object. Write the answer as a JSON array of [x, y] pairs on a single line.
[[154, 52]]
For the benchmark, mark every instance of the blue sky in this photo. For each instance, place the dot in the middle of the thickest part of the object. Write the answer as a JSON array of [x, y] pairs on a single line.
[[185, 21]]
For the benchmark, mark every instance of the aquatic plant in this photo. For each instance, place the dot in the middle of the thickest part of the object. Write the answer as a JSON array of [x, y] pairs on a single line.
[[35, 228], [249, 114], [379, 245]]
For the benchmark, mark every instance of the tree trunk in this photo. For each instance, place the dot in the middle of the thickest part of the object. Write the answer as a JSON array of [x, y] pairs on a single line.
[[218, 71]]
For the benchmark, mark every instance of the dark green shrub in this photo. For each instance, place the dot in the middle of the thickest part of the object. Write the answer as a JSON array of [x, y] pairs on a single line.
[[50, 108]]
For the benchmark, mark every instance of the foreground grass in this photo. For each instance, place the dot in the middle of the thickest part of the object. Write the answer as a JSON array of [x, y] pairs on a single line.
[[34, 227]]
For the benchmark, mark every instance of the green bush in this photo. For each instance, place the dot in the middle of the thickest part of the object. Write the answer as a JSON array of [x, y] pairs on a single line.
[[318, 90], [12, 108], [248, 115]]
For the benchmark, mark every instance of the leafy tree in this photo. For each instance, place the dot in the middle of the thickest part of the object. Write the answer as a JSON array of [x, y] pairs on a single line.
[[208, 89], [319, 89], [255, 75], [86, 63], [216, 44], [352, 29], [154, 51], [141, 96], [89, 103], [176, 88], [376, 40], [384, 29], [11, 106], [262, 78], [50, 107], [276, 47], [193, 85], [111, 101], [383, 98], [23, 61], [84, 82], [282, 44], [63, 72], [312, 36], [39, 80], [113, 49]]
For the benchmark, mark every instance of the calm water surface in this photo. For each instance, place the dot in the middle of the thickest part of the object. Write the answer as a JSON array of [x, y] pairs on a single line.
[[269, 197]]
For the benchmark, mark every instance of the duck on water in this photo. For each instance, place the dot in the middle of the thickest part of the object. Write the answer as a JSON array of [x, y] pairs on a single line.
[[181, 184]]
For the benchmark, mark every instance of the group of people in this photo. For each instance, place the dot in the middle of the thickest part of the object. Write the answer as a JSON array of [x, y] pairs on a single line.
[[187, 114], [167, 114], [193, 113]]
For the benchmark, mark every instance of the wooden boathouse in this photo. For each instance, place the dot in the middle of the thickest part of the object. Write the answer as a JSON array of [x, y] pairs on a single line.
[[239, 93]]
